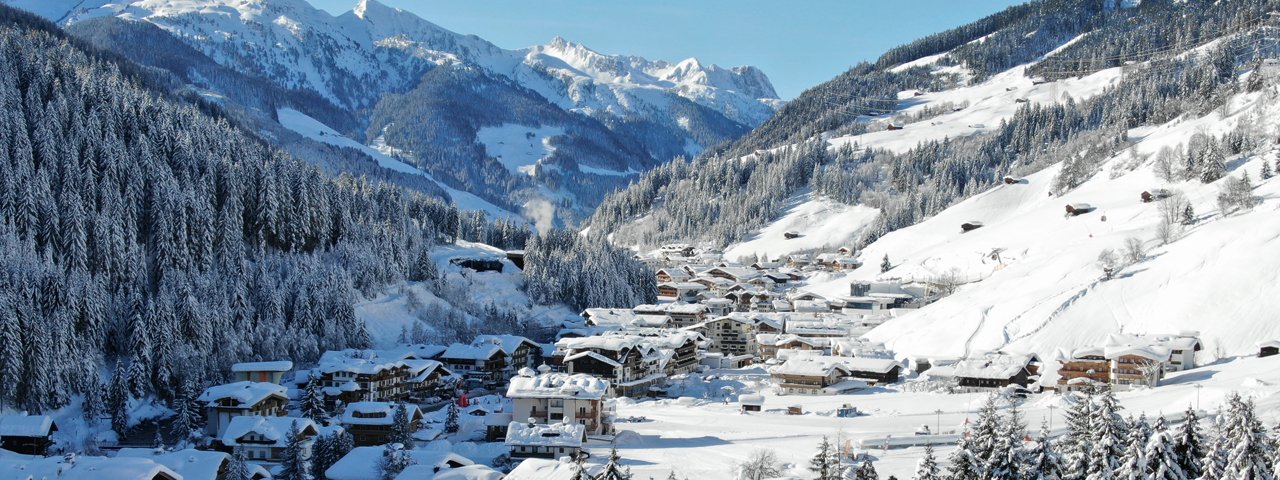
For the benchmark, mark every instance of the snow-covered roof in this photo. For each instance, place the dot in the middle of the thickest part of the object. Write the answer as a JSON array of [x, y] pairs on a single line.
[[598, 357], [246, 394], [272, 429], [369, 362], [558, 385], [751, 399], [508, 343], [361, 463], [1269, 343], [192, 464], [459, 351], [1150, 352], [276, 366], [498, 419], [995, 366], [810, 366], [26, 425], [550, 469], [85, 468], [432, 472], [375, 413], [548, 435]]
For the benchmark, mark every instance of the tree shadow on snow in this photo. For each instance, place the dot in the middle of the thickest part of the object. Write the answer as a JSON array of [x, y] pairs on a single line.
[[1190, 377], [657, 441]]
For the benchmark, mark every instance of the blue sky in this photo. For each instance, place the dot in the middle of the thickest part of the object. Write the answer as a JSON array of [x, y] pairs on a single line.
[[799, 44]]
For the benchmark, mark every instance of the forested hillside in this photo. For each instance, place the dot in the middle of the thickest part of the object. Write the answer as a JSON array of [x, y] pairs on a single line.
[[724, 198], [141, 231]]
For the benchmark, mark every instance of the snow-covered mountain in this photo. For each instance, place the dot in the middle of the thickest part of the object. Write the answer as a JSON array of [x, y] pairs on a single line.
[[628, 114], [1087, 115]]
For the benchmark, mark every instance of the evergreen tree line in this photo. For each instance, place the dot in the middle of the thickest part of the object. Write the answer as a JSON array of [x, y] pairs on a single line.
[[140, 232], [1101, 444]]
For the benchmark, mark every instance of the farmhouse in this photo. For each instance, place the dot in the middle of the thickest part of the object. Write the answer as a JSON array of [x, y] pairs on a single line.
[[990, 371], [814, 375], [483, 362], [630, 364], [349, 376]]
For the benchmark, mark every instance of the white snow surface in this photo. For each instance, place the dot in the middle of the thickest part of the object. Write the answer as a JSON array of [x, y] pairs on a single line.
[[520, 148], [821, 222], [311, 128]]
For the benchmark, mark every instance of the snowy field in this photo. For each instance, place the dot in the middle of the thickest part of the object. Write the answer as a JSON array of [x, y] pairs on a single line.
[[704, 438], [518, 147]]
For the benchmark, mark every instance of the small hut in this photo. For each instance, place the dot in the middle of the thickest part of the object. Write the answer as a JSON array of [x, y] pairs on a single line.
[[1075, 209], [970, 226], [894, 126], [795, 410], [1011, 180], [1268, 348], [751, 403], [791, 234]]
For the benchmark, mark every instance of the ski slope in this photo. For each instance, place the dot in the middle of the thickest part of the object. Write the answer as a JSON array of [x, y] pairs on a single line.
[[520, 148]]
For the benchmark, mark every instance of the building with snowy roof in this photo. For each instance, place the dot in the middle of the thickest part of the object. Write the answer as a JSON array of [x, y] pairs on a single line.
[[990, 371], [27, 434], [814, 374], [372, 423], [361, 463], [83, 467], [269, 372], [553, 397], [348, 376], [192, 464], [562, 468], [265, 438], [225, 402], [1124, 361], [730, 335], [482, 362], [435, 472], [1268, 348], [554, 440]]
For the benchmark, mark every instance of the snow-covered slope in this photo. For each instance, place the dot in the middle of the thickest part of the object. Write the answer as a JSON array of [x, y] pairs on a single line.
[[1045, 290]]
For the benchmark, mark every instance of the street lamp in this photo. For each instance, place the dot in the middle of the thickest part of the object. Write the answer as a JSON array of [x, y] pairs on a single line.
[[1051, 409], [1198, 387], [938, 431]]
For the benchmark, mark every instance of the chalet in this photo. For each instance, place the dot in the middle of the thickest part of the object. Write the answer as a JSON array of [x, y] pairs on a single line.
[[875, 371], [478, 264], [990, 371], [556, 440], [270, 372], [1083, 369], [682, 291], [225, 402], [1011, 180], [735, 274], [799, 260], [27, 434], [265, 438], [1074, 209], [817, 329], [813, 375], [846, 263], [628, 363], [686, 314], [361, 463], [348, 376], [371, 423], [730, 335], [562, 468], [86, 467], [718, 307], [548, 397], [771, 343], [671, 275], [192, 464], [482, 362], [1155, 194], [847, 251], [750, 403], [1128, 360], [520, 351], [893, 126], [682, 249], [516, 257], [1268, 348], [970, 226]]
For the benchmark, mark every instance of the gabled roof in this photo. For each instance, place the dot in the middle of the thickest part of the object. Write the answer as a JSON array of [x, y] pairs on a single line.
[[275, 429], [246, 394], [459, 351], [276, 366], [26, 426], [85, 467], [550, 469], [192, 464], [361, 463], [387, 410], [508, 343]]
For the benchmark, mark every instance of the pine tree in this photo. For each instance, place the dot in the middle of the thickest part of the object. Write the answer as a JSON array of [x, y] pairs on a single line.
[[401, 427], [885, 266], [1044, 462], [1008, 459], [867, 471], [824, 464], [118, 396], [962, 464], [1265, 173], [927, 467], [313, 402], [394, 460], [451, 418], [239, 469], [1162, 461], [1110, 436], [1133, 464], [613, 470], [1249, 452], [1214, 464], [1077, 445], [986, 432], [322, 456], [1188, 445], [1188, 215], [293, 462], [187, 414]]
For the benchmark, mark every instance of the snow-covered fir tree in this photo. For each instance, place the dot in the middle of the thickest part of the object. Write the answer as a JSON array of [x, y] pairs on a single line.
[[1008, 460], [1044, 462], [394, 460], [239, 468], [613, 469], [1162, 459], [867, 471], [1249, 449], [401, 427], [1189, 444], [1133, 464], [927, 466], [187, 414], [1214, 464], [294, 463], [451, 417], [961, 463], [825, 463], [313, 404]]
